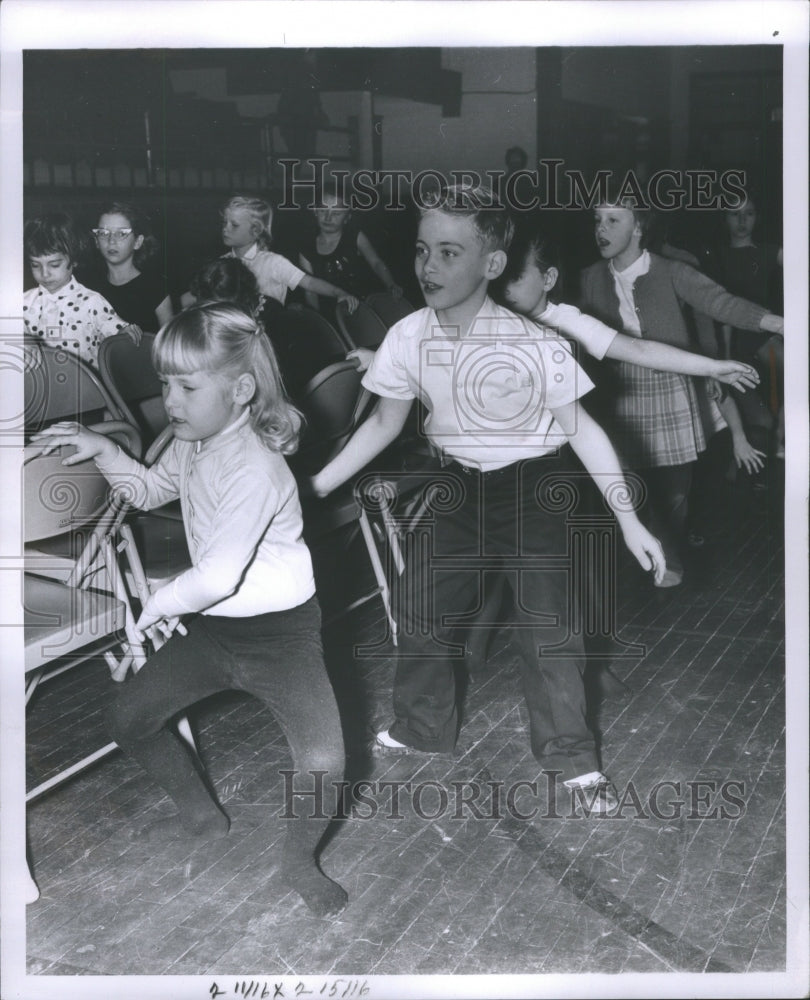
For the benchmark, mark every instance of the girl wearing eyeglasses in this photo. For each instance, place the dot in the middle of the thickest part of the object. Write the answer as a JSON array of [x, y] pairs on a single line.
[[136, 292]]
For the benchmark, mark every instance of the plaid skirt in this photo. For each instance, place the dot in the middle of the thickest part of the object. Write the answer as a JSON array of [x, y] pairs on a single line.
[[656, 417]]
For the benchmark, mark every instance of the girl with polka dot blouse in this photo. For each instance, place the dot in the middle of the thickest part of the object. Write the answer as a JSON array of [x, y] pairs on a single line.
[[60, 311]]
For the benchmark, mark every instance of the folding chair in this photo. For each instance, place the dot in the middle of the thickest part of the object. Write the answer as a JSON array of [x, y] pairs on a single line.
[[67, 623], [130, 379], [361, 328], [63, 387], [305, 343], [335, 404], [389, 309]]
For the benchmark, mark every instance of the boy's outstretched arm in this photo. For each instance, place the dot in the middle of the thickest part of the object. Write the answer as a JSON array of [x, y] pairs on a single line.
[[596, 453], [373, 435]]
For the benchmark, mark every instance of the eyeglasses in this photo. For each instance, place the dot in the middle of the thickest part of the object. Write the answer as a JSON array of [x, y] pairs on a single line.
[[110, 234]]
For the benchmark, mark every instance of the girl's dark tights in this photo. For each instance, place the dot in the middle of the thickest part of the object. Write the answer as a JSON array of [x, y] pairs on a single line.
[[278, 658]]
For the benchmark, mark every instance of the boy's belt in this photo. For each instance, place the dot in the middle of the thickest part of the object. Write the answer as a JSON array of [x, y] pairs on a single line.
[[468, 470]]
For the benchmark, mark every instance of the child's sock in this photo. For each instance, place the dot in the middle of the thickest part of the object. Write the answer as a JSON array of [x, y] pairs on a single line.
[[323, 896]]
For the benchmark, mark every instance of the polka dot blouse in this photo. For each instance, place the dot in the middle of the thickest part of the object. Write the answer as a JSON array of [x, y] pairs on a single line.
[[75, 318]]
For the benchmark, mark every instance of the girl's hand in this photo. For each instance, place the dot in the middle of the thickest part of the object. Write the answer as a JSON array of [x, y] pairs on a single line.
[[362, 356], [395, 291], [32, 356], [773, 324], [645, 547], [747, 457], [134, 332], [737, 374], [88, 445], [158, 628], [352, 302]]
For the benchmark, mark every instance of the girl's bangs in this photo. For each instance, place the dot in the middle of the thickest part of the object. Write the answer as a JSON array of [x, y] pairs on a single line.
[[176, 352]]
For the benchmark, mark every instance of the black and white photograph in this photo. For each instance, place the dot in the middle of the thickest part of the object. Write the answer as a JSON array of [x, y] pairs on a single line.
[[404, 450]]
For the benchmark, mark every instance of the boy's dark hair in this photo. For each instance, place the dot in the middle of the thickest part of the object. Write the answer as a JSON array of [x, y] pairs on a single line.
[[491, 220], [141, 226], [530, 244], [227, 279], [53, 233]]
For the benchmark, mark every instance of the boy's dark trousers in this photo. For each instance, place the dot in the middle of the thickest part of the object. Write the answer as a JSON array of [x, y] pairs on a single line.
[[513, 522]]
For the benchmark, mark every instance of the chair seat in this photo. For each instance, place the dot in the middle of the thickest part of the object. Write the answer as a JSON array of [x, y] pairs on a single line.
[[59, 619]]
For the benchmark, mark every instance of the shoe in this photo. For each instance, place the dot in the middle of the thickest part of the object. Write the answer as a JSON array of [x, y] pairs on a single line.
[[596, 796], [671, 578], [385, 741]]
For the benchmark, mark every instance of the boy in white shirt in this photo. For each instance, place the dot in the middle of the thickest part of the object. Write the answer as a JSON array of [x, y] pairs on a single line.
[[501, 396]]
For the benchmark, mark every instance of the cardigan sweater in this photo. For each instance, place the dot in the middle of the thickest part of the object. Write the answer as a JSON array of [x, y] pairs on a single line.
[[659, 297]]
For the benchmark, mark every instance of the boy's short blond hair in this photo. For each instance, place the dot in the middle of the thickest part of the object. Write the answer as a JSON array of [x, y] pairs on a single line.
[[478, 204]]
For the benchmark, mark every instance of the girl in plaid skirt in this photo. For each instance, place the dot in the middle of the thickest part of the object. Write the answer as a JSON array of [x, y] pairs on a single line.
[[656, 415]]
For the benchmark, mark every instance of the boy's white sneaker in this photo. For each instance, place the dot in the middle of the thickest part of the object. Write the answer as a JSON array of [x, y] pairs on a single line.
[[595, 793], [385, 741]]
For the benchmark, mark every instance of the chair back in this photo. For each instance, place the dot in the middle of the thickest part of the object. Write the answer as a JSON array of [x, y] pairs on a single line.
[[305, 343], [361, 328], [63, 387], [130, 378], [59, 499], [334, 402], [389, 309]]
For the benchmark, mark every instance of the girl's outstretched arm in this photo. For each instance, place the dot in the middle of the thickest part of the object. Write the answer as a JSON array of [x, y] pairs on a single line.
[[596, 453], [330, 291], [666, 358]]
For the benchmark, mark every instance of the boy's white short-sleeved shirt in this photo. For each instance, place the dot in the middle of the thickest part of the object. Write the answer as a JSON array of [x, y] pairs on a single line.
[[489, 393], [275, 275]]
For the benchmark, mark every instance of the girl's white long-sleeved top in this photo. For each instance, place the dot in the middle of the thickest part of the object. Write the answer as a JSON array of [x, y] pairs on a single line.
[[242, 519]]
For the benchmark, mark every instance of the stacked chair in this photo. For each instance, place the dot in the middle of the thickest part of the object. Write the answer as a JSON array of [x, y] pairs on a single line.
[[83, 566]]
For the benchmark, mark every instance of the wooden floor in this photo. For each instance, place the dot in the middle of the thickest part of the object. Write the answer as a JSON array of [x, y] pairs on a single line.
[[693, 881]]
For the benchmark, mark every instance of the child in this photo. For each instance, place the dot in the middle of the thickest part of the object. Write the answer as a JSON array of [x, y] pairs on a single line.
[[748, 267], [341, 252], [255, 624], [499, 424], [656, 413], [228, 279], [246, 230], [60, 311], [125, 244], [725, 442], [530, 285]]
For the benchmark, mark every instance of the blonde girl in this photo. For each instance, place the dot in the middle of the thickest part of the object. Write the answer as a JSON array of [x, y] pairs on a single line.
[[251, 617]]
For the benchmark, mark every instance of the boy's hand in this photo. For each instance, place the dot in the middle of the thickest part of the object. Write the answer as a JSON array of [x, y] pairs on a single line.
[[352, 302], [88, 444], [747, 457], [737, 374], [646, 548], [362, 356], [134, 332]]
